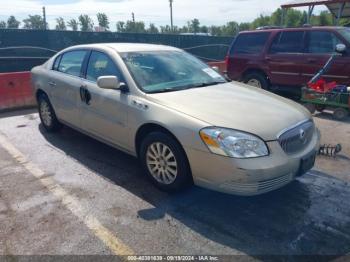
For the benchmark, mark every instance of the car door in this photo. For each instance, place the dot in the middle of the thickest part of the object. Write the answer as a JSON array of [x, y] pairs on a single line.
[[320, 47], [64, 83], [105, 112], [285, 58]]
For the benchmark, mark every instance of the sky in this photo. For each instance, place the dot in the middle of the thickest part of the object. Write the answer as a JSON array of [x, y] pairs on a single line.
[[209, 12]]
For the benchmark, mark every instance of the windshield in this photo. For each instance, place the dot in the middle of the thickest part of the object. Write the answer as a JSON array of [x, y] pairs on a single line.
[[345, 33], [167, 71]]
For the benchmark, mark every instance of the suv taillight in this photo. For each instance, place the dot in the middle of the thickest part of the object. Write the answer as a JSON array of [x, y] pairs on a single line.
[[227, 61]]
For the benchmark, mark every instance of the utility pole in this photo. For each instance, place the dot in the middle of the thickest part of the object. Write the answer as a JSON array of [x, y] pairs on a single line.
[[44, 17], [171, 15], [133, 17]]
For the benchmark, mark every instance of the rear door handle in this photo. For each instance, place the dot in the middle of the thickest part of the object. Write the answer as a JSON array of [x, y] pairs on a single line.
[[51, 83], [311, 60]]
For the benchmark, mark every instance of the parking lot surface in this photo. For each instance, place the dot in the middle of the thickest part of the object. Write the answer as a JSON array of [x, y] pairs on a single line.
[[66, 193]]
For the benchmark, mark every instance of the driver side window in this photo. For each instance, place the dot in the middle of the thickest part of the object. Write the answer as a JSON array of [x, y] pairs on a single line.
[[101, 65], [322, 42]]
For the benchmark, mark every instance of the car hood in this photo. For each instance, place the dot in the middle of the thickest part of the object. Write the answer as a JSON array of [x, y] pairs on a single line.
[[237, 106]]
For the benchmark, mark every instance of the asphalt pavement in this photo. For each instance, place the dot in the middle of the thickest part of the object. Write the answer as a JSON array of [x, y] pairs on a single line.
[[68, 194]]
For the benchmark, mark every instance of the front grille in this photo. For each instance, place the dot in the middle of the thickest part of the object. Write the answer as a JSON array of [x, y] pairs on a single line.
[[297, 138]]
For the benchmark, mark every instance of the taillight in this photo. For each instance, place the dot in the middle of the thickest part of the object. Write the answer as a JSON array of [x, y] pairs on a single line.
[[227, 62]]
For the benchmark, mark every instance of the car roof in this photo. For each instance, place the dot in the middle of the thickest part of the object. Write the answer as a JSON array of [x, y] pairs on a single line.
[[127, 47], [286, 29]]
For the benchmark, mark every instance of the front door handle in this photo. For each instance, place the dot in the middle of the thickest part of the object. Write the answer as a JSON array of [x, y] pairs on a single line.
[[311, 60], [85, 95], [51, 83]]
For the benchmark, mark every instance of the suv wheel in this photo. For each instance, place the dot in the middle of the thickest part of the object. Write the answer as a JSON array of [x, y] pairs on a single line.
[[47, 114], [257, 80], [164, 160]]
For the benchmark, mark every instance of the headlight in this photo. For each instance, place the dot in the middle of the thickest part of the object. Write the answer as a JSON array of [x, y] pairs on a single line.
[[232, 143]]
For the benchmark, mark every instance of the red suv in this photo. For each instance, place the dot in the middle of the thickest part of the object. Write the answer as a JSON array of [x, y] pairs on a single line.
[[288, 56]]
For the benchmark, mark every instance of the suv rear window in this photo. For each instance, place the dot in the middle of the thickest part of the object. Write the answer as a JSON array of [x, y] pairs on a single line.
[[288, 42], [251, 43]]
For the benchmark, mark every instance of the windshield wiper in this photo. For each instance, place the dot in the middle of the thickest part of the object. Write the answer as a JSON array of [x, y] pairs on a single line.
[[171, 89], [208, 84]]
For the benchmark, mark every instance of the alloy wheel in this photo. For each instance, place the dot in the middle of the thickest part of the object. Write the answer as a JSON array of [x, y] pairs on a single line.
[[161, 163], [45, 113], [255, 83]]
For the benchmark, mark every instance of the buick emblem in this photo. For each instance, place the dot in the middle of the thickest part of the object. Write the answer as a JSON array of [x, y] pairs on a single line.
[[302, 136]]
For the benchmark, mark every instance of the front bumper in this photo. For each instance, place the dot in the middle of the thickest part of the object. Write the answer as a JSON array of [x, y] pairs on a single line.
[[248, 176]]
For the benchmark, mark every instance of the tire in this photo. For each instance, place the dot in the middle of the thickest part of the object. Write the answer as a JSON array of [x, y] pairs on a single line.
[[256, 79], [340, 114], [169, 175], [47, 114]]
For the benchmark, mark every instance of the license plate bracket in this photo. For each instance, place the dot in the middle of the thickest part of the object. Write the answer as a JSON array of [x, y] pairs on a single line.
[[307, 163]]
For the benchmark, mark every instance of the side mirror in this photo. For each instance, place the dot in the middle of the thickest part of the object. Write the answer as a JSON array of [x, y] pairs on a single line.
[[111, 82], [340, 48], [108, 82]]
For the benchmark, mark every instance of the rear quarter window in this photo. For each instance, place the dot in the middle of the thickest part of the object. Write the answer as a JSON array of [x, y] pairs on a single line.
[[251, 43]]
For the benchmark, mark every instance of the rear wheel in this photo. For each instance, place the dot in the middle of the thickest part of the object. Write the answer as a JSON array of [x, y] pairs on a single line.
[[340, 113], [256, 79], [47, 114], [165, 162]]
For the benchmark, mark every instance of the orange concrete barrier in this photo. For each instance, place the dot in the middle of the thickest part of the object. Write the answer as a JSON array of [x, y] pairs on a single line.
[[220, 65], [16, 90]]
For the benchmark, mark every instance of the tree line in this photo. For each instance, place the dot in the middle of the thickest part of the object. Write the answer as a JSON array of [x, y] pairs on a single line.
[[292, 18]]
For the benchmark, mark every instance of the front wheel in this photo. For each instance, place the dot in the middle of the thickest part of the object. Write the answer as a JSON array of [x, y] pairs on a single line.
[[165, 162], [47, 114]]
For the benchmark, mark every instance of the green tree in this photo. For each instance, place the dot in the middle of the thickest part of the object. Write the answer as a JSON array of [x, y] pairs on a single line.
[[2, 24], [61, 24], [293, 18], [244, 26], [325, 18], [194, 26], [86, 23], [262, 20], [204, 29], [230, 29], [103, 20], [34, 22], [166, 29], [12, 22], [73, 24], [276, 17], [215, 30], [120, 26], [135, 27], [152, 29]]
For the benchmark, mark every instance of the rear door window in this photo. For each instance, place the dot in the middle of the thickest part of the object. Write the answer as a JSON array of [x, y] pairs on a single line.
[[251, 43], [71, 62], [322, 42], [288, 42], [101, 64]]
